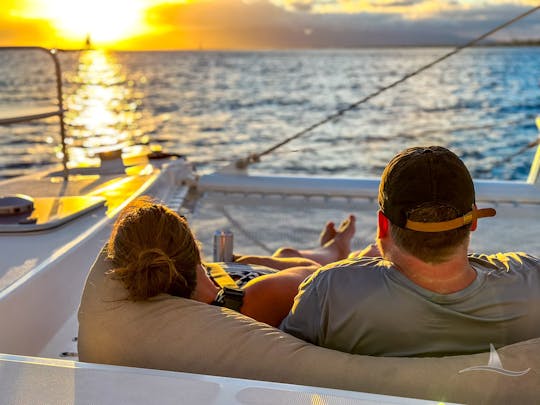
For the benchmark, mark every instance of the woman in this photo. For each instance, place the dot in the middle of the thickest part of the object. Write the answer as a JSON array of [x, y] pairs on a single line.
[[154, 251]]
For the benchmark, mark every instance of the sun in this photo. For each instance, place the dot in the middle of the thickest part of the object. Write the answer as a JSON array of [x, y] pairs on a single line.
[[106, 21]]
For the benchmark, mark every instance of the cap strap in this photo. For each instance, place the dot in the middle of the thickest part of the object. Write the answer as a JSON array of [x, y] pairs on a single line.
[[452, 224]]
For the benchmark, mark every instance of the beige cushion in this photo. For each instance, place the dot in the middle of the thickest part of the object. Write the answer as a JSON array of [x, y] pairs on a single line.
[[171, 333]]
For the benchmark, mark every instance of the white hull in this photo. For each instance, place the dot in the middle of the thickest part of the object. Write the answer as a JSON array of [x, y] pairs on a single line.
[[48, 381]]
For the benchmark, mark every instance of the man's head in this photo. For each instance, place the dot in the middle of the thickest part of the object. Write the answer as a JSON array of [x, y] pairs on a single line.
[[427, 194]]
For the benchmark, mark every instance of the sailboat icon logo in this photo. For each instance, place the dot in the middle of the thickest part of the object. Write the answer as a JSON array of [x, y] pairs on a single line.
[[495, 365]]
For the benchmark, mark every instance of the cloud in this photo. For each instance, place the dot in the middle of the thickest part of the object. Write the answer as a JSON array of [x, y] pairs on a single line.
[[475, 21], [270, 24], [26, 32], [301, 6], [234, 24], [402, 3]]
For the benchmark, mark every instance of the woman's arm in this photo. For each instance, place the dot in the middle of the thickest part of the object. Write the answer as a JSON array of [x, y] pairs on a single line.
[[269, 298]]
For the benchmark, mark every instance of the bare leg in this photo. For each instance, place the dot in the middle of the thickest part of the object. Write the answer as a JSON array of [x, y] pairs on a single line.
[[335, 244], [327, 234]]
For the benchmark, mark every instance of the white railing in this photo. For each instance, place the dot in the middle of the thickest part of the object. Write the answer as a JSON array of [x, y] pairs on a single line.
[[14, 116]]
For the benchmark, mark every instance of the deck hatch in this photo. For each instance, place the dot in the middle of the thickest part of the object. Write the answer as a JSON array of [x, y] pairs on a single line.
[[50, 212]]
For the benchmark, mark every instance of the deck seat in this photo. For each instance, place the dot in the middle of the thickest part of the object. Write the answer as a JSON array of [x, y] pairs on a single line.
[[171, 333]]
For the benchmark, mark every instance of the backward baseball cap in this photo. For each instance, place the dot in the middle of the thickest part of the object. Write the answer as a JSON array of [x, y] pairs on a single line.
[[423, 176]]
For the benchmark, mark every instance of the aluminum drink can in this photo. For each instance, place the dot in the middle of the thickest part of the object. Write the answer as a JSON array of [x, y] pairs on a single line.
[[223, 246]]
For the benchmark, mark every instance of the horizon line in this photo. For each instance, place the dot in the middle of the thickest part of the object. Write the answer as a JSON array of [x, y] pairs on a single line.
[[528, 43]]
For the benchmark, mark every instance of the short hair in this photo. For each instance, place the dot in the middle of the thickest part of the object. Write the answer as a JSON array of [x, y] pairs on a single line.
[[153, 251], [431, 247]]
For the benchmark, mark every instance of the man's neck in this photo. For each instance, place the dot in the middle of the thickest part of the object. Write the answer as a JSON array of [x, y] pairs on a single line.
[[448, 277]]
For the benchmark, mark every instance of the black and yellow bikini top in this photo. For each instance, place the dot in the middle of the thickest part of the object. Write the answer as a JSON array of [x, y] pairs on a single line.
[[230, 295]]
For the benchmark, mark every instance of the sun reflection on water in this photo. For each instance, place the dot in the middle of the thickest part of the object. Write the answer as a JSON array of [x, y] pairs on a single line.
[[103, 109]]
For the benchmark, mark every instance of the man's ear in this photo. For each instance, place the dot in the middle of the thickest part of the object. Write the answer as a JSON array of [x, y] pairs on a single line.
[[474, 223], [383, 225]]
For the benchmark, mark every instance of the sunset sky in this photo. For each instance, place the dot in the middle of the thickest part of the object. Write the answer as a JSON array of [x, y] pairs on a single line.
[[257, 24]]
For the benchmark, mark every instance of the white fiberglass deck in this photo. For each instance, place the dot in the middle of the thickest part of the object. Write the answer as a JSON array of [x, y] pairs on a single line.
[[26, 380], [42, 273]]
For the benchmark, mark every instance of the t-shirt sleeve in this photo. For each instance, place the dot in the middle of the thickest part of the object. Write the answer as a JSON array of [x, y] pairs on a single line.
[[304, 319]]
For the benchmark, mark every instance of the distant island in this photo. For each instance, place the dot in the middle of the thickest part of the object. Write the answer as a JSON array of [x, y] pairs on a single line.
[[515, 42]]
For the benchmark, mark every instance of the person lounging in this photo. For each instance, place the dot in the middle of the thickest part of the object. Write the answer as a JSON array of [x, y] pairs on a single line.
[[153, 251], [419, 292]]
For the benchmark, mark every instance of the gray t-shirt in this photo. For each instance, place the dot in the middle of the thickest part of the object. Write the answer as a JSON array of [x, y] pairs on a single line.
[[367, 306]]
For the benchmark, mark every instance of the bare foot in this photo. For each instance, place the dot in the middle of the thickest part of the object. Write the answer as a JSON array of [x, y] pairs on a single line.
[[336, 248], [340, 245], [328, 233]]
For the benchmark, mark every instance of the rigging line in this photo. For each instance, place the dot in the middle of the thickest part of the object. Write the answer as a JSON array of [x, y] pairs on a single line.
[[255, 157]]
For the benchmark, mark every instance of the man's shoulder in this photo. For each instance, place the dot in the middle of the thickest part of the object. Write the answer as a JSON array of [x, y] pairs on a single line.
[[363, 266], [506, 261]]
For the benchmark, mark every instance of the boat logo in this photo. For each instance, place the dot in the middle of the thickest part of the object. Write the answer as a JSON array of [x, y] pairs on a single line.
[[495, 365]]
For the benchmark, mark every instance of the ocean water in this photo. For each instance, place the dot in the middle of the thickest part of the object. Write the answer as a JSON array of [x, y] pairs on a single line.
[[216, 107]]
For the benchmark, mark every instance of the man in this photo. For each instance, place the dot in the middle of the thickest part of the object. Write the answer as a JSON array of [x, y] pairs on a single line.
[[419, 293]]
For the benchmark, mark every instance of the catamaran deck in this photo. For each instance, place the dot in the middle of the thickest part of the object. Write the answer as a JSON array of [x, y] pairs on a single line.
[[264, 221], [264, 214], [42, 270]]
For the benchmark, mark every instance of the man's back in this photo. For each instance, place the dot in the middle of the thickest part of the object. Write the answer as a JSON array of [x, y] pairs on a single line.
[[367, 306]]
